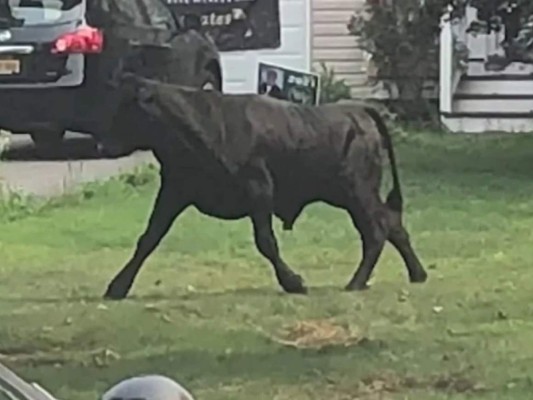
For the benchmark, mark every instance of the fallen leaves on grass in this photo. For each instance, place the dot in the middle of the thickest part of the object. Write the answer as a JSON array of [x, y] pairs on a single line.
[[166, 318], [105, 357], [317, 334], [438, 309], [457, 383], [36, 358], [501, 315], [386, 382], [390, 382], [152, 307], [59, 357], [403, 296], [159, 311]]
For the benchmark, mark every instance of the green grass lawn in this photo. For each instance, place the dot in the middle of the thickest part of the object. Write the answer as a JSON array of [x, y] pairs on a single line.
[[207, 311]]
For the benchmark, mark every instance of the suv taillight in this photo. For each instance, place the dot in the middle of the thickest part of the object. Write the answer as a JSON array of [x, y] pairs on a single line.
[[84, 40]]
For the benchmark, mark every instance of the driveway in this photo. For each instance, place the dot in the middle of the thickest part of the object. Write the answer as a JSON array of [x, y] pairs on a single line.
[[77, 161]]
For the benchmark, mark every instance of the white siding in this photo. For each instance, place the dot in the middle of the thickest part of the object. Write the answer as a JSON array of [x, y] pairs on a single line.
[[240, 68], [333, 44]]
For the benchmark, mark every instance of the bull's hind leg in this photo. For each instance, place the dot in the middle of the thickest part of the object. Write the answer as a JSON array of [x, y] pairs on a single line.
[[166, 209], [373, 230], [399, 238], [261, 191]]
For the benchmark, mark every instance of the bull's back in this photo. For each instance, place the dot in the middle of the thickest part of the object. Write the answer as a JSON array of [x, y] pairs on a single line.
[[338, 147], [311, 152]]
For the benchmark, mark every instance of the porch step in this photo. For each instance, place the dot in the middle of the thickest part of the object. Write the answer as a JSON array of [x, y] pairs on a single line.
[[508, 104], [488, 122], [498, 77], [492, 86], [476, 67], [492, 103]]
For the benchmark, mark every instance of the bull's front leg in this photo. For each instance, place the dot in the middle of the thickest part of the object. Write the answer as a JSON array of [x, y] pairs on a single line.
[[168, 205], [261, 191]]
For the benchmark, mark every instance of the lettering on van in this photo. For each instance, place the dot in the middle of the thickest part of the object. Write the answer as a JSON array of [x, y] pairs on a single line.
[[234, 24], [220, 19]]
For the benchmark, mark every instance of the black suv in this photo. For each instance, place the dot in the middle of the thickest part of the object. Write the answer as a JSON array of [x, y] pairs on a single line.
[[57, 58]]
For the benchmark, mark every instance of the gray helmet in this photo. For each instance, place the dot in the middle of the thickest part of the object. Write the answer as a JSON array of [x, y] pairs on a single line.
[[147, 387]]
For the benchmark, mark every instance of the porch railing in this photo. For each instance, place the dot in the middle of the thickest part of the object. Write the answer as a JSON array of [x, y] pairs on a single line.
[[453, 58]]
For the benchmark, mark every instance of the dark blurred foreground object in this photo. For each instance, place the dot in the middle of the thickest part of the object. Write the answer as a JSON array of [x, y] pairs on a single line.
[[13, 387], [148, 387], [58, 58]]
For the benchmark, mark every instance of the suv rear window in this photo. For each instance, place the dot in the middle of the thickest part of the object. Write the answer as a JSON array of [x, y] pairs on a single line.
[[44, 12]]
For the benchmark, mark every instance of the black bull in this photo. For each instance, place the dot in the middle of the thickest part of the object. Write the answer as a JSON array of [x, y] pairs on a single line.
[[236, 156]]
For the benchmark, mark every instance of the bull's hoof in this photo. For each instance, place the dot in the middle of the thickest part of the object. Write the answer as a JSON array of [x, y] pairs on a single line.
[[355, 286], [294, 284], [116, 293], [419, 277]]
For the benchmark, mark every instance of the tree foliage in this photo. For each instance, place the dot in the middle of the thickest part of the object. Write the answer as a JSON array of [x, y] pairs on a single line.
[[401, 37]]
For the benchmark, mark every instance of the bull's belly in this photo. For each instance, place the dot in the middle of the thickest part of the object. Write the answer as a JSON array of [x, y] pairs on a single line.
[[226, 202], [295, 190], [288, 204], [221, 211], [225, 197]]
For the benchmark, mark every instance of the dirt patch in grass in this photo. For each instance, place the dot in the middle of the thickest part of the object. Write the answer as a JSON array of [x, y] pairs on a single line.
[[317, 334]]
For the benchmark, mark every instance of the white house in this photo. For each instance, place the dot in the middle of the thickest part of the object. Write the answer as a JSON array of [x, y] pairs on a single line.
[[471, 98], [312, 31], [475, 100]]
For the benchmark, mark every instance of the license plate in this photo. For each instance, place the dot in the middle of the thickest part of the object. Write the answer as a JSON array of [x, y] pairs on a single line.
[[9, 67]]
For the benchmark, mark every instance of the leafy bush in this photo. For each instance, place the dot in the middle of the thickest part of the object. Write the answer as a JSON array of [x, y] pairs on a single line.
[[331, 88], [14, 205], [401, 38]]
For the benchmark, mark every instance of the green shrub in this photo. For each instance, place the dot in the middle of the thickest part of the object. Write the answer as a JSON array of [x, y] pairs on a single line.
[[401, 38], [332, 89], [15, 205]]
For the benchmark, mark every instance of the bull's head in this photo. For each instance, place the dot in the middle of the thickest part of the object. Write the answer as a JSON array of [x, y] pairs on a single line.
[[135, 116], [139, 91]]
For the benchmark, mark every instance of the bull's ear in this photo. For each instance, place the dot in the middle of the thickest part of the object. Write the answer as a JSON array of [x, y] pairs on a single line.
[[145, 94], [135, 88], [146, 100], [128, 84]]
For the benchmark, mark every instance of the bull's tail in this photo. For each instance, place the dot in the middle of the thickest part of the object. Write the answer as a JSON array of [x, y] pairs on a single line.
[[394, 198]]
